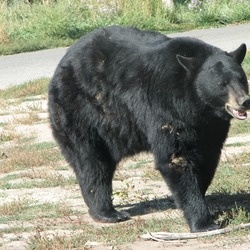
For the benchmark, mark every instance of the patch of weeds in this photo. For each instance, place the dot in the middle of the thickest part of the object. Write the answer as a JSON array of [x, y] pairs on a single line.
[[6, 180], [50, 181], [42, 240], [9, 177], [235, 216], [16, 230], [113, 235], [26, 119], [31, 99], [27, 140], [62, 168], [152, 174], [2, 103], [36, 179], [43, 145], [26, 210], [3, 195], [10, 106], [35, 106], [232, 177], [31, 88], [23, 157], [139, 164], [240, 159], [123, 193], [9, 135], [52, 210], [237, 144], [14, 207]]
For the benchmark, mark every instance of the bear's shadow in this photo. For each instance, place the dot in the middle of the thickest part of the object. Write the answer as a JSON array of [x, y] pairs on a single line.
[[218, 203]]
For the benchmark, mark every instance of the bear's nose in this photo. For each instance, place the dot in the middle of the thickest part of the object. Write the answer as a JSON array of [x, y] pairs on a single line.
[[245, 102]]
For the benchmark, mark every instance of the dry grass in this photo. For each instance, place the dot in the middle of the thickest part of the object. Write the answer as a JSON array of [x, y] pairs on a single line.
[[32, 88], [26, 119], [14, 207], [43, 179], [109, 236], [4, 38], [9, 135], [35, 106], [23, 157]]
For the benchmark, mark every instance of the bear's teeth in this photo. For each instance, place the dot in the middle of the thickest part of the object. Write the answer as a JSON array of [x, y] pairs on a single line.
[[243, 114], [240, 115]]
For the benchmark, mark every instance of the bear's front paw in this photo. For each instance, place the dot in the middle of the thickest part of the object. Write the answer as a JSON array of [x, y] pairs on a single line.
[[109, 216]]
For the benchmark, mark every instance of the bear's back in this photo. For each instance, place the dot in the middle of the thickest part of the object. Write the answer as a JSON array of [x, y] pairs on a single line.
[[136, 37], [113, 39], [115, 44]]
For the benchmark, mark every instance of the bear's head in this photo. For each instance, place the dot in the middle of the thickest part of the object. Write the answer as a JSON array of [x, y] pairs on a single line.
[[220, 82]]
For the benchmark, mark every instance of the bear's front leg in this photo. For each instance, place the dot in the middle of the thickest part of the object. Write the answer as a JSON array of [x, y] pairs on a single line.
[[184, 181]]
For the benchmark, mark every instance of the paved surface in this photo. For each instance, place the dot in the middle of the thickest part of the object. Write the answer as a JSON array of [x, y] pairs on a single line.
[[16, 69], [227, 38]]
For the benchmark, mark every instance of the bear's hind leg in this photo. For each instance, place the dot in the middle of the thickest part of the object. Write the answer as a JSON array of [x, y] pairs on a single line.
[[94, 169]]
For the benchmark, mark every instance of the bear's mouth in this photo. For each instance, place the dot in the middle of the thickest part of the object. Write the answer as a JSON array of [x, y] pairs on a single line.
[[239, 114]]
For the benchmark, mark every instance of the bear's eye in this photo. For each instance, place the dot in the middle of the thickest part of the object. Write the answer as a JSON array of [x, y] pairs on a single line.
[[224, 83]]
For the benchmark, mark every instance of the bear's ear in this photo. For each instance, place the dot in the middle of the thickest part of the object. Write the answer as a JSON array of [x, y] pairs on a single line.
[[188, 63], [239, 54]]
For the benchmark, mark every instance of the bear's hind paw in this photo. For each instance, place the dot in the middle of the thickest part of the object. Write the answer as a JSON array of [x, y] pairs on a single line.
[[109, 216]]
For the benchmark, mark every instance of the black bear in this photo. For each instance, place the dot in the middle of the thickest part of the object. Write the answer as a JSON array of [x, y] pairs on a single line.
[[119, 91]]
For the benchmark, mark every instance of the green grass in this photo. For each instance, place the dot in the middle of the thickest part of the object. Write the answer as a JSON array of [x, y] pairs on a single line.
[[27, 27], [237, 144], [239, 127], [140, 164], [43, 145], [246, 64], [225, 180], [39, 181]]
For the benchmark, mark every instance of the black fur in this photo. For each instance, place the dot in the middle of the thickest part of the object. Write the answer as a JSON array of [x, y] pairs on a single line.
[[119, 91]]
